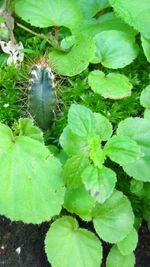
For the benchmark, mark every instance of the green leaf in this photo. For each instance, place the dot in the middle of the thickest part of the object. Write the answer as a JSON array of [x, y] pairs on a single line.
[[135, 12], [146, 47], [31, 184], [80, 120], [99, 183], [77, 247], [139, 130], [147, 114], [128, 245], [105, 22], [109, 47], [72, 143], [47, 13], [73, 169], [109, 21], [122, 150], [27, 128], [114, 85], [76, 60], [79, 201], [83, 122], [114, 219], [91, 7], [145, 97], [116, 259], [103, 127]]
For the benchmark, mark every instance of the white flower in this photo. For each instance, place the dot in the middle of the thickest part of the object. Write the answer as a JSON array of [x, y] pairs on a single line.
[[14, 50]]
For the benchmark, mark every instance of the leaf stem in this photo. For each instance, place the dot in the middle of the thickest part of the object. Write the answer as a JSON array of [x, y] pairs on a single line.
[[50, 39]]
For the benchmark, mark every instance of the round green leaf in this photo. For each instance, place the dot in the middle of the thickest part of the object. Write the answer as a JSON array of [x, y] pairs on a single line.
[[128, 245], [47, 13], [139, 130], [76, 60], [31, 184], [146, 47], [122, 149], [99, 183], [114, 219], [135, 12], [67, 245], [116, 259], [79, 201], [114, 85], [145, 97], [109, 47]]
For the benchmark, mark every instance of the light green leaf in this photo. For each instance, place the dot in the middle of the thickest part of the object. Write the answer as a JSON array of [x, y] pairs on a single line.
[[91, 7], [114, 219], [109, 21], [72, 143], [99, 183], [147, 114], [114, 85], [128, 245], [109, 47], [122, 150], [68, 42], [31, 184], [116, 259], [105, 22], [103, 127], [135, 12], [83, 122], [139, 130], [73, 169], [26, 127], [67, 245], [76, 60], [80, 120], [146, 47], [145, 97], [47, 13], [80, 202]]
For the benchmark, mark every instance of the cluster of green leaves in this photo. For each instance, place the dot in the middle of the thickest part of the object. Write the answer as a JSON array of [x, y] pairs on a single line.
[[35, 191], [105, 36], [102, 34]]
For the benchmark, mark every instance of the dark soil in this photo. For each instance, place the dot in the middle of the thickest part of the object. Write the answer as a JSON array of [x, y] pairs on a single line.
[[22, 245]]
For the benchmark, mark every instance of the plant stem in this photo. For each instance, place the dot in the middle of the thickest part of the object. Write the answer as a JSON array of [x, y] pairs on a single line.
[[51, 40]]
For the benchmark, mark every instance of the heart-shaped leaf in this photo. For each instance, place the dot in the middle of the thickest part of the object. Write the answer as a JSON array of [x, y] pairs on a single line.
[[77, 247], [109, 47], [114, 85]]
